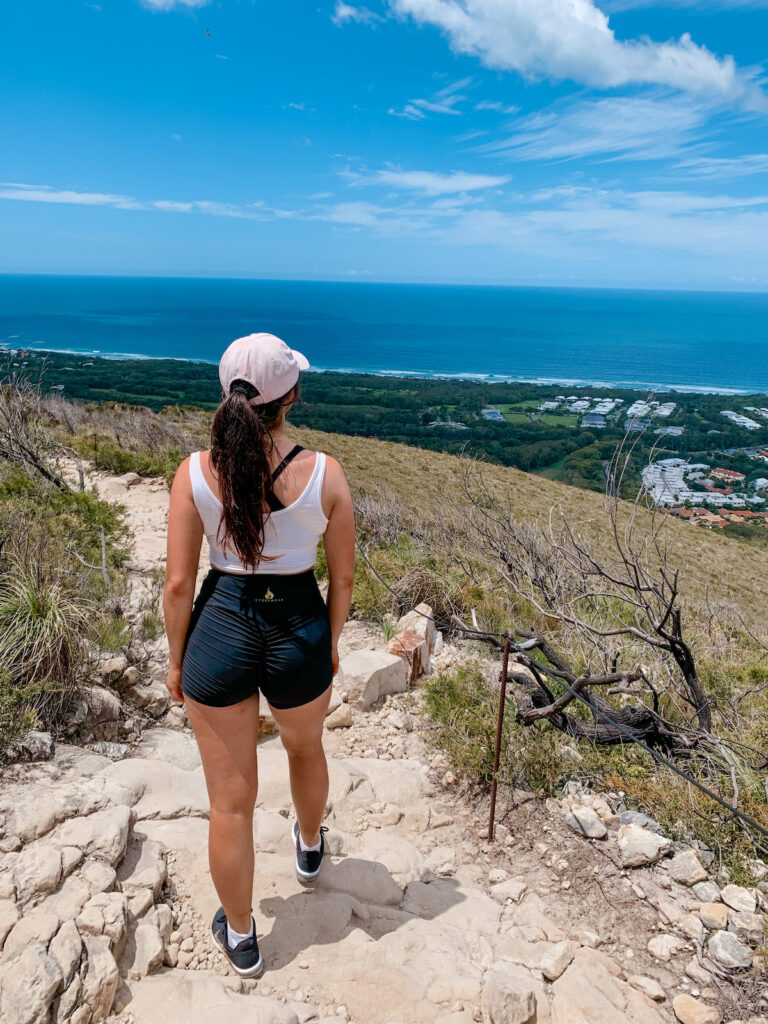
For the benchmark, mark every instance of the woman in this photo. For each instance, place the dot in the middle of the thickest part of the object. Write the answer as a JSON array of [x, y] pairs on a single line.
[[259, 622]]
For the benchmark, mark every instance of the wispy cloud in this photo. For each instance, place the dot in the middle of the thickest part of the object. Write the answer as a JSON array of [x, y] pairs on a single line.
[[429, 183], [498, 106], [572, 39], [616, 127], [346, 12], [628, 5], [726, 168], [168, 5], [442, 102], [47, 194]]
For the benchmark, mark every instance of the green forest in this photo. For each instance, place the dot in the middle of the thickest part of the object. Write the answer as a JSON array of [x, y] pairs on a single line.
[[436, 414]]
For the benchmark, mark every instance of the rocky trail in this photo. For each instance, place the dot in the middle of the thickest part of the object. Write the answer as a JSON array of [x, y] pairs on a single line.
[[579, 913]]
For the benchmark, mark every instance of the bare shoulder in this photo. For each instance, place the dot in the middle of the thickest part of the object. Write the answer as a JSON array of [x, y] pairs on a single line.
[[181, 478]]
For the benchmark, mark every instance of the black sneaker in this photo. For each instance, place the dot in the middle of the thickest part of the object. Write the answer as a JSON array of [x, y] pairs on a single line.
[[308, 861], [245, 957]]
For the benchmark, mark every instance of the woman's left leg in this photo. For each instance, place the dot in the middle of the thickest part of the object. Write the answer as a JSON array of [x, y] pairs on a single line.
[[301, 732]]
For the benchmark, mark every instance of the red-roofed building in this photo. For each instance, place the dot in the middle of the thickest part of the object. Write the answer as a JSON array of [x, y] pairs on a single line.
[[728, 476]]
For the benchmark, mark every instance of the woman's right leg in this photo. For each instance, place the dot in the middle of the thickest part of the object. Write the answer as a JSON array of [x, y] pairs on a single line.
[[227, 740]]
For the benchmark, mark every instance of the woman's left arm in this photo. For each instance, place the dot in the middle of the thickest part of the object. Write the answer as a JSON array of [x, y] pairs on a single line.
[[185, 537]]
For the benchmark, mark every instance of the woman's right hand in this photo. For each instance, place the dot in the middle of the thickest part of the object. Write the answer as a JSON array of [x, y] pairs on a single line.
[[173, 684], [335, 658]]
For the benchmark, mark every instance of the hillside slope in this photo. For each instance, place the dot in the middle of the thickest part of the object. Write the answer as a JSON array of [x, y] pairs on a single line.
[[713, 567]]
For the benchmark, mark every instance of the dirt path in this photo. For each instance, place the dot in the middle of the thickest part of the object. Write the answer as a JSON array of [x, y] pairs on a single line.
[[415, 917]]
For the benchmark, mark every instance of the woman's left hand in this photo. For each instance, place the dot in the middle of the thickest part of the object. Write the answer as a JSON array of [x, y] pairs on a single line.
[[173, 684]]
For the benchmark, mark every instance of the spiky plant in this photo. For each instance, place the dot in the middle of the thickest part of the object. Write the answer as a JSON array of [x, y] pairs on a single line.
[[43, 617]]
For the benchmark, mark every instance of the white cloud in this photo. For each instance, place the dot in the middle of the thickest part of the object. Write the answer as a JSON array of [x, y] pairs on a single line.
[[572, 39], [612, 127], [727, 168], [498, 106], [431, 183], [167, 5], [628, 5], [46, 194], [442, 102], [346, 12]]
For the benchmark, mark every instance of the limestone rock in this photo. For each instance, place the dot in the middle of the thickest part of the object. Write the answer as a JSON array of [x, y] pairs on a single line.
[[664, 946], [412, 648], [105, 914], [28, 985], [152, 697], [747, 927], [591, 992], [341, 718], [729, 951], [37, 926], [100, 978], [103, 705], [690, 1011], [37, 870], [505, 1000], [420, 621], [65, 948], [707, 892], [586, 822], [366, 880], [111, 669], [267, 723], [643, 820], [34, 745], [103, 835], [685, 868], [143, 867], [369, 675], [97, 875], [638, 846], [184, 997], [510, 889], [714, 915], [149, 950], [648, 986], [9, 915], [737, 898], [176, 748]]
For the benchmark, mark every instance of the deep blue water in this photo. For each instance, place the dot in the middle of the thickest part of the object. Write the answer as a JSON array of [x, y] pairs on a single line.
[[697, 340]]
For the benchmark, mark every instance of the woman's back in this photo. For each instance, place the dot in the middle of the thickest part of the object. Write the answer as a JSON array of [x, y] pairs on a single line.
[[292, 526]]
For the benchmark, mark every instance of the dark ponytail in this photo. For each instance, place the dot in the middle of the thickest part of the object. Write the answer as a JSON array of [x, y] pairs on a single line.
[[241, 443]]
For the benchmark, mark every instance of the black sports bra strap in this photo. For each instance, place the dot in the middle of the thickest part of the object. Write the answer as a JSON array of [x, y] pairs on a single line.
[[288, 458]]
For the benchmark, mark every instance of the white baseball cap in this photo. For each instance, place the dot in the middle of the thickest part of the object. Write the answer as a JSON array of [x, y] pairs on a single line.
[[263, 361]]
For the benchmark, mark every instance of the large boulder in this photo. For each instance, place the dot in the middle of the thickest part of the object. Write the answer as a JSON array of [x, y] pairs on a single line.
[[100, 978], [369, 675]]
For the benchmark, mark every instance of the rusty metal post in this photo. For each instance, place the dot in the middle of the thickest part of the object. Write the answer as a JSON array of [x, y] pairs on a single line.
[[499, 728]]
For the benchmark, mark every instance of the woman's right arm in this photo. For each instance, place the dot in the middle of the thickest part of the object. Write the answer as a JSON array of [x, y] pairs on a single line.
[[185, 537], [339, 543]]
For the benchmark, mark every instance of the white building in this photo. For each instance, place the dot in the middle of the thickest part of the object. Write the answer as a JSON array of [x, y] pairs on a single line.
[[739, 420]]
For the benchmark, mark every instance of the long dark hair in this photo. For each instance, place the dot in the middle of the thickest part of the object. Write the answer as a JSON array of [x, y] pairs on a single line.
[[241, 443]]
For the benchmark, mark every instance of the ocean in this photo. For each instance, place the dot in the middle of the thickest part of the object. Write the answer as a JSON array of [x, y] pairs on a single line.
[[694, 341]]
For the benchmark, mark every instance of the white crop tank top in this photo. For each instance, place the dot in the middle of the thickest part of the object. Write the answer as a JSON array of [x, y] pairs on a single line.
[[290, 534]]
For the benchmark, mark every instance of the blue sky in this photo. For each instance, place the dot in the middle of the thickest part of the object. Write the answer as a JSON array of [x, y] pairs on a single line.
[[575, 142]]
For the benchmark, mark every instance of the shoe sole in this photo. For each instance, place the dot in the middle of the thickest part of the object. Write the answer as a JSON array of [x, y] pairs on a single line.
[[249, 972]]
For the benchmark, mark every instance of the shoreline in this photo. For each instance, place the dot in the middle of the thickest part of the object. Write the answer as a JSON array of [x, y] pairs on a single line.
[[490, 378]]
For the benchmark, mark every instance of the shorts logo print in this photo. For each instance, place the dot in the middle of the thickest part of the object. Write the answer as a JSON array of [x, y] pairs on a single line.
[[269, 596]]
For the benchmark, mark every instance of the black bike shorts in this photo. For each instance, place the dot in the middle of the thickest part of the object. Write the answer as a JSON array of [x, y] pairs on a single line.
[[261, 632]]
